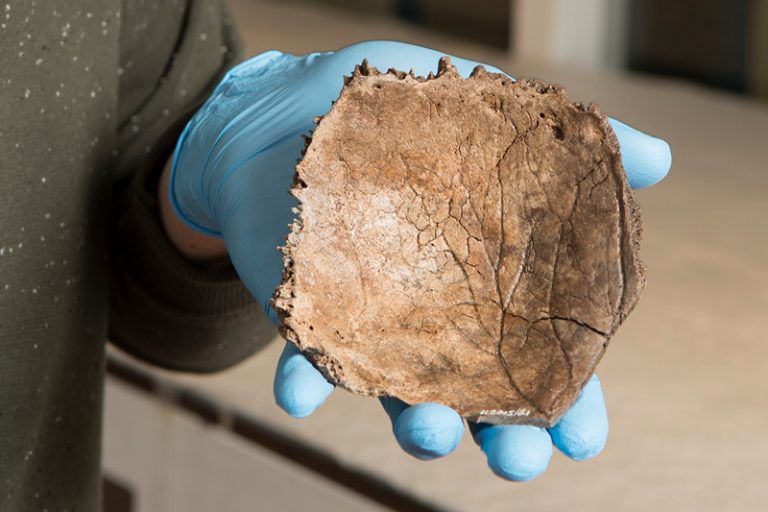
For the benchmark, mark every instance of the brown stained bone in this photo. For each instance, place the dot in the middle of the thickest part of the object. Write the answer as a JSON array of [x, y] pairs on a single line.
[[471, 242]]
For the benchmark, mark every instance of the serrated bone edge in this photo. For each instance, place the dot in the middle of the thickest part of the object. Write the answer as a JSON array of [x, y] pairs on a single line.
[[446, 68], [478, 71]]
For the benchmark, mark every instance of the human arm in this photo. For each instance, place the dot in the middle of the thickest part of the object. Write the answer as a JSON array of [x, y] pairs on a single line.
[[164, 308]]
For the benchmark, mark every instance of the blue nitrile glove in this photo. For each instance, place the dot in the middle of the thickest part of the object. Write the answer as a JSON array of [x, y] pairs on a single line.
[[231, 172]]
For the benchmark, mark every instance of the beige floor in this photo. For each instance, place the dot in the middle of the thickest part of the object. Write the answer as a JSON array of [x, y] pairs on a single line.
[[173, 462], [686, 378]]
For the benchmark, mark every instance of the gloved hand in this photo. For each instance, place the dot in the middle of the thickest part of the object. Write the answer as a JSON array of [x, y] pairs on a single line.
[[230, 176]]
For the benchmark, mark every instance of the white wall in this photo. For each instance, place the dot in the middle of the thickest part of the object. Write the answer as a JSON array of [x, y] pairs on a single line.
[[576, 33]]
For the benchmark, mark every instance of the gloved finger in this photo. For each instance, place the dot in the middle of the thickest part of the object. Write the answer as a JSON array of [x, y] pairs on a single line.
[[255, 211], [646, 159], [427, 430], [582, 431], [298, 387], [514, 452]]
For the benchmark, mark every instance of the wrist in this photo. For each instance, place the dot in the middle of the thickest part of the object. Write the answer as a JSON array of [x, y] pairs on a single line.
[[193, 245]]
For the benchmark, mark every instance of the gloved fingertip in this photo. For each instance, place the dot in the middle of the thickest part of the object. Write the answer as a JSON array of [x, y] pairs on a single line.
[[516, 452], [646, 159], [299, 388], [582, 432], [580, 448], [428, 430]]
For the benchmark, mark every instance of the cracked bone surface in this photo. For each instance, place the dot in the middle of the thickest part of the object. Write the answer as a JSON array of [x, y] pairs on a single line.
[[472, 242]]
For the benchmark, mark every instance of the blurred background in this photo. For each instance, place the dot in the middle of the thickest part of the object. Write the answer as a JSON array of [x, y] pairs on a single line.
[[723, 43], [686, 377]]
